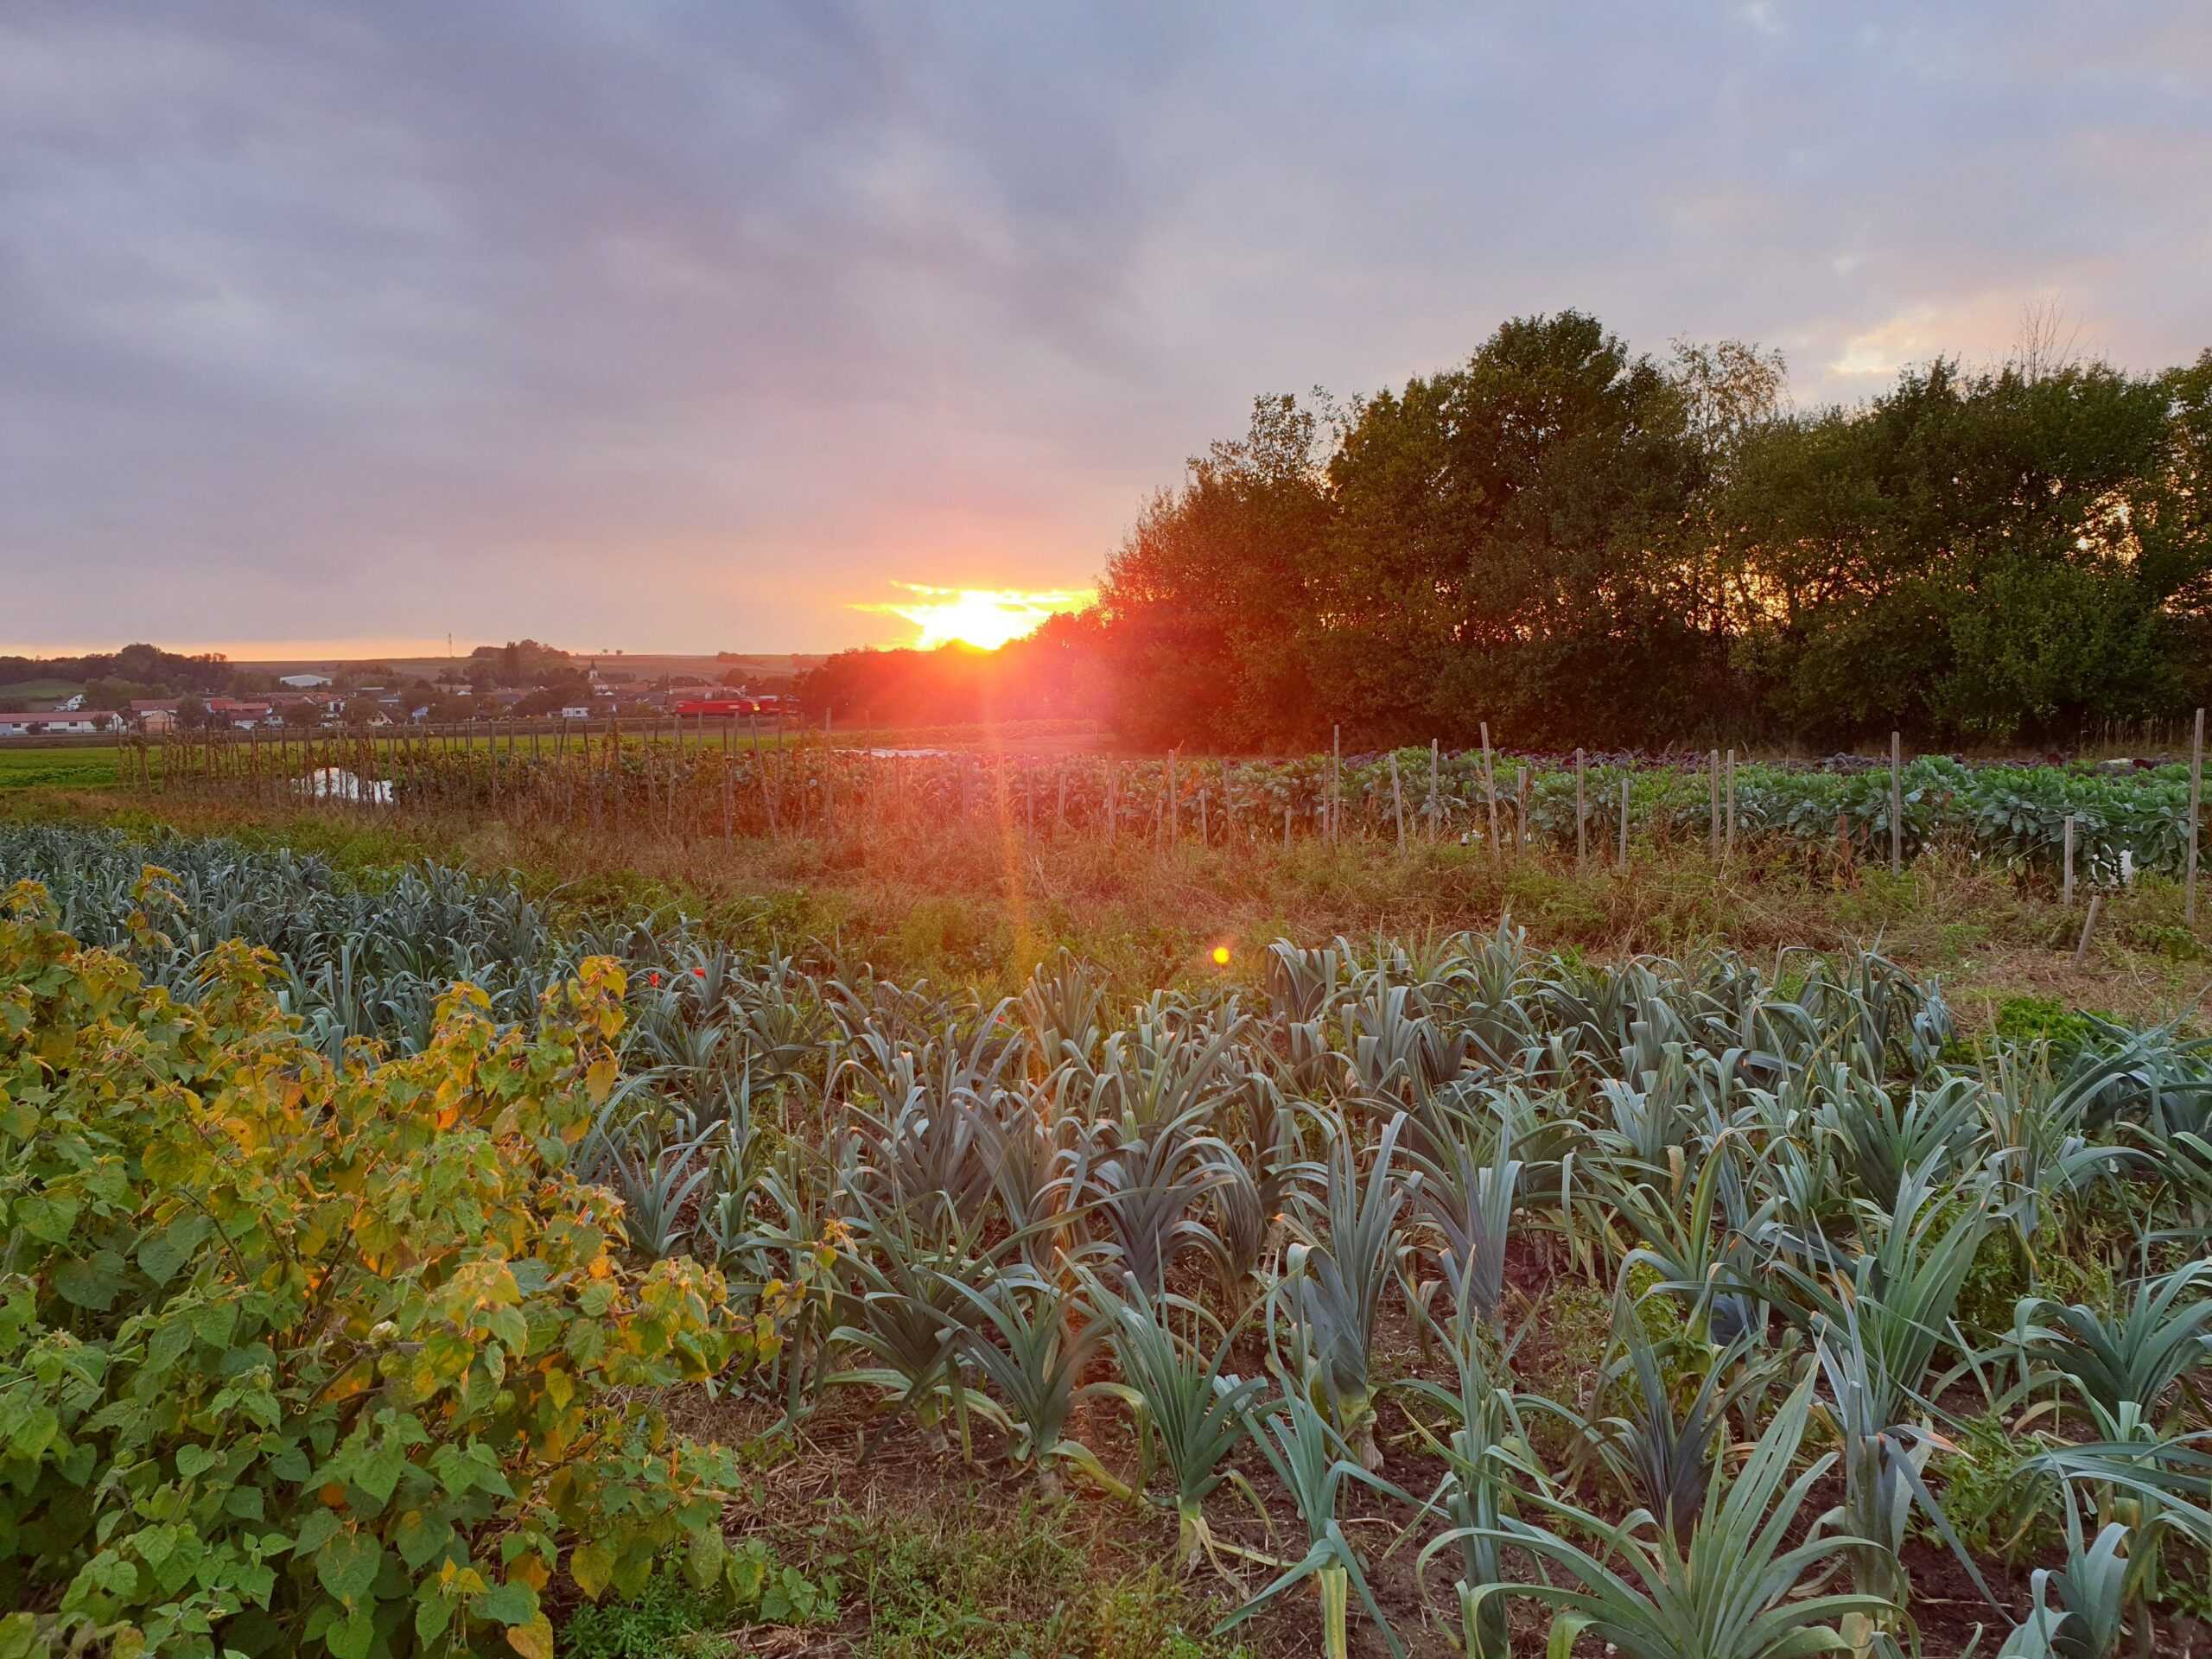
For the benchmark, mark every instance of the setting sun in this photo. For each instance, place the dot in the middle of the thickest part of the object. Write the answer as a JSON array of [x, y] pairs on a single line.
[[984, 617]]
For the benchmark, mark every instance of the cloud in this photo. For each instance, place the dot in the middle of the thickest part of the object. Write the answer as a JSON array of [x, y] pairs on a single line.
[[691, 325]]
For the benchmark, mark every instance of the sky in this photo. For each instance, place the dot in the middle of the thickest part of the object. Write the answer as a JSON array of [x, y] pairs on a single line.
[[738, 326]]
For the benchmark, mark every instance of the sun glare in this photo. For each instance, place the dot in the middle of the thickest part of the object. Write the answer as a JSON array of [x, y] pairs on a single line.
[[986, 618]]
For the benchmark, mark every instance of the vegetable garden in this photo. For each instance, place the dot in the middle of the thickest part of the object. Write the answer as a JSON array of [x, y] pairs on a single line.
[[703, 785], [365, 1242]]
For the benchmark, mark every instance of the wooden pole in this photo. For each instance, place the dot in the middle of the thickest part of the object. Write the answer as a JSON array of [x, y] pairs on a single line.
[[1490, 790], [1713, 812], [1581, 812], [1520, 809], [1173, 800], [1336, 779], [1435, 785], [2066, 887], [1731, 803], [2082, 946], [1397, 802], [1624, 822], [1897, 804], [2195, 812]]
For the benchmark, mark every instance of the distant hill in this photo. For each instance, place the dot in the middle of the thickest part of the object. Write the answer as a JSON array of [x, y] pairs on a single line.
[[48, 690]]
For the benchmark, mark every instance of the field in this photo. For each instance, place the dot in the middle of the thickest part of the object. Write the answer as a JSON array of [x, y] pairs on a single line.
[[889, 1228], [94, 767]]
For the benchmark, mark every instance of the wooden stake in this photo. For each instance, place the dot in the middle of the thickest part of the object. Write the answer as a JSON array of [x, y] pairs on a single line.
[[2195, 812], [1581, 813], [1173, 801], [1624, 822], [1435, 797], [1336, 780], [1731, 803], [1896, 804], [1712, 811], [1490, 789], [2082, 948], [2066, 888], [1397, 802]]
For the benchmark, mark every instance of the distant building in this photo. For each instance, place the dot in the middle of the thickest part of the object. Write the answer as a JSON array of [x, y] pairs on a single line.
[[576, 711], [305, 682], [155, 721], [48, 722]]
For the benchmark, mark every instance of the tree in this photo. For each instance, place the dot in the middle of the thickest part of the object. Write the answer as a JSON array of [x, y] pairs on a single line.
[[1507, 546], [1921, 561], [1207, 600]]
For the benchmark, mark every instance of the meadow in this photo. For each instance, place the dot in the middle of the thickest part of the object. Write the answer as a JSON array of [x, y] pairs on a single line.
[[1423, 1290]]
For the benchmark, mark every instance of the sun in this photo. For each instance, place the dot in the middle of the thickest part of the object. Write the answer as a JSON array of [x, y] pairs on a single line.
[[986, 618]]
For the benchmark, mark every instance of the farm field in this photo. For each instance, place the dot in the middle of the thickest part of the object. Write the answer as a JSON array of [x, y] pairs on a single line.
[[94, 767], [1047, 1302]]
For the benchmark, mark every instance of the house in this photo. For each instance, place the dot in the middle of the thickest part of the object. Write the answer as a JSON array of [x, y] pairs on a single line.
[[48, 722], [72, 703], [155, 721], [241, 714], [576, 711], [305, 682]]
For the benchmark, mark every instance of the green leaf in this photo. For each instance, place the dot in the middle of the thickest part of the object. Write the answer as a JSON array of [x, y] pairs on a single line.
[[19, 1637], [513, 1602], [319, 1526], [348, 1565], [422, 1538], [433, 1612], [85, 1285], [49, 1220], [161, 1254], [351, 1636], [193, 1461]]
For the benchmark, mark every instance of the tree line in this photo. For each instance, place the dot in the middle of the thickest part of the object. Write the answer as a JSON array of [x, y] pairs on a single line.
[[1582, 544]]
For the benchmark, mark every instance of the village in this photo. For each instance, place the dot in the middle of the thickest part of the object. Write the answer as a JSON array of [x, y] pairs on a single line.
[[475, 689]]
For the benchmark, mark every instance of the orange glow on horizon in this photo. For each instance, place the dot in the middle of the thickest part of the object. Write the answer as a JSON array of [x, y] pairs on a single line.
[[985, 618]]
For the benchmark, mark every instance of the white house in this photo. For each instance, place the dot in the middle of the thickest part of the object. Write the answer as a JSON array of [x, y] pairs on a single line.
[[305, 682], [52, 722], [576, 712]]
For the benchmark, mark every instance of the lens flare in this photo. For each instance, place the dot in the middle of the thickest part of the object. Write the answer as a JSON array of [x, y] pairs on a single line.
[[1221, 955], [984, 618]]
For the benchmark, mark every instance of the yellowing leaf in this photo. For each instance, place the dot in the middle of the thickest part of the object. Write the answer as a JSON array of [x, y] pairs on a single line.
[[591, 1567], [533, 1640]]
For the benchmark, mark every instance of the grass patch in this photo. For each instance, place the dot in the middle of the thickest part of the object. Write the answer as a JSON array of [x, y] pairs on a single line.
[[933, 1589]]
